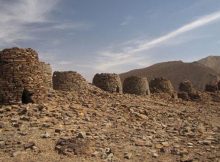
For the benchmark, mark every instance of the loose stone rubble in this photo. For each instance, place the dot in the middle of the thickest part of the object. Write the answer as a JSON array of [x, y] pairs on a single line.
[[136, 85], [94, 125], [108, 82], [99, 126]]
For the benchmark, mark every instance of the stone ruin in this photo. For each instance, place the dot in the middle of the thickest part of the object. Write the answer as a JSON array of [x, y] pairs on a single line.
[[69, 81], [136, 85], [108, 82], [188, 92], [47, 72], [161, 85], [219, 85], [213, 87], [22, 77]]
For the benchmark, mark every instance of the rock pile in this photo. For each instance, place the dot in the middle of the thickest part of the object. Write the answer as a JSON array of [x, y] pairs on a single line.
[[136, 85], [219, 85], [211, 87], [114, 128], [188, 92], [68, 81], [76, 146], [161, 85], [21, 72], [108, 82]]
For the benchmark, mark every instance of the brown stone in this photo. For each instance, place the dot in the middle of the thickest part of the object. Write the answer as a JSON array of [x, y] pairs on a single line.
[[108, 82], [68, 81], [211, 87], [75, 146], [161, 85], [188, 92], [187, 87], [136, 85], [21, 71], [219, 85]]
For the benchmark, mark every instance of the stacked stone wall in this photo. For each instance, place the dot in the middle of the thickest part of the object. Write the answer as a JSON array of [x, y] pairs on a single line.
[[161, 85], [136, 85], [69, 81], [108, 82], [21, 70], [188, 92]]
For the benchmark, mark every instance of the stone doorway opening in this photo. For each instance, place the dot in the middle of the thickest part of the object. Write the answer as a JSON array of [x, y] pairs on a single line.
[[27, 96]]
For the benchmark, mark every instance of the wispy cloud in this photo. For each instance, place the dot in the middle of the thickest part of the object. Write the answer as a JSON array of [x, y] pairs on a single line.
[[126, 55], [126, 21], [21, 19], [15, 15]]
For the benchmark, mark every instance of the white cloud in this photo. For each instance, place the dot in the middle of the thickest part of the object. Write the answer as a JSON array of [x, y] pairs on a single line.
[[126, 55], [15, 15], [126, 21], [21, 19]]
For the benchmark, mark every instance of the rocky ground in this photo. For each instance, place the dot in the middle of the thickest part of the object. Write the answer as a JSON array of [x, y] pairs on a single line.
[[97, 126]]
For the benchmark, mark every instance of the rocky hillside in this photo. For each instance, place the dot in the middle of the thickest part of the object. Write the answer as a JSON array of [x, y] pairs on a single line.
[[212, 62], [177, 71], [93, 125]]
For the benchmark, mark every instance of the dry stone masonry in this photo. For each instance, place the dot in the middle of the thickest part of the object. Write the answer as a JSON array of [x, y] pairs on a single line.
[[47, 72], [108, 82], [136, 85], [22, 77], [211, 87], [188, 92], [161, 85], [68, 81], [219, 85]]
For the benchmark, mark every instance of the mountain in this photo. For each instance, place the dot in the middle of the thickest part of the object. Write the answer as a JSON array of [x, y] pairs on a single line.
[[177, 71], [212, 62]]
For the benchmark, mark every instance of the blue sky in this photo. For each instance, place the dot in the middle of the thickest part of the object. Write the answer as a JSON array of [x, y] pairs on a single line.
[[90, 36]]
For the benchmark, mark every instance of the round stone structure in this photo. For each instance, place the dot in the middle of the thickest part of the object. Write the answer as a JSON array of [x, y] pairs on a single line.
[[109, 82], [69, 81], [136, 85], [211, 87], [188, 92], [219, 85], [186, 86], [22, 76], [161, 85]]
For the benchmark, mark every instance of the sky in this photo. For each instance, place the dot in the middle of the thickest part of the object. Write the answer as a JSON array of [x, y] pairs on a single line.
[[113, 36]]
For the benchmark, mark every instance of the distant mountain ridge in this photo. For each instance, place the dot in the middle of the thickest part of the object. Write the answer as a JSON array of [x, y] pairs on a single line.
[[212, 62], [177, 71]]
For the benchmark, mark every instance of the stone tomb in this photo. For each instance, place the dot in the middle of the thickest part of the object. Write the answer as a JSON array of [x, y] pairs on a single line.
[[23, 78], [136, 85], [108, 82]]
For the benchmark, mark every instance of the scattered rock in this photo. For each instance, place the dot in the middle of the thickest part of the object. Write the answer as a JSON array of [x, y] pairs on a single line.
[[77, 146], [81, 135], [45, 135], [29, 145], [127, 155]]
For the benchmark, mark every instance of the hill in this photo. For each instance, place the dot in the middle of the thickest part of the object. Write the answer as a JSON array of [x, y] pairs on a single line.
[[212, 62], [177, 71], [96, 126]]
